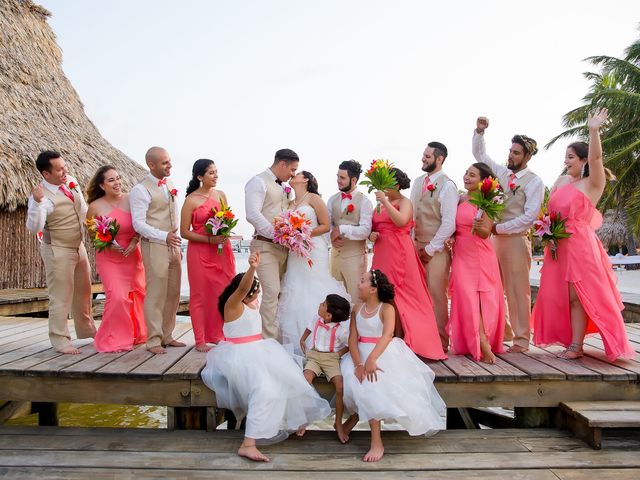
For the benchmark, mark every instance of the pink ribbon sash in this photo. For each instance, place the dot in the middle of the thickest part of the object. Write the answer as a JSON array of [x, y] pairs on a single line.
[[247, 339], [369, 339]]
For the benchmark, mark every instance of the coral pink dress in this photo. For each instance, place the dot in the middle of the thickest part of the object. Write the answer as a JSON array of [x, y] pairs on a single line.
[[581, 261], [123, 324], [395, 255], [209, 273], [475, 288]]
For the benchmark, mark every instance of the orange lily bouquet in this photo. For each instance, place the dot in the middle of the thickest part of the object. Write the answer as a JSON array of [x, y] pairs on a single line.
[[293, 230], [102, 230], [489, 198], [380, 177], [550, 228], [222, 222]]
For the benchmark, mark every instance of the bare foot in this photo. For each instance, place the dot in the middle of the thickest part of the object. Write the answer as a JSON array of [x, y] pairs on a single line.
[[157, 350], [517, 349], [69, 350], [487, 354], [301, 431], [175, 343], [347, 426], [252, 453], [203, 347], [374, 454], [343, 437]]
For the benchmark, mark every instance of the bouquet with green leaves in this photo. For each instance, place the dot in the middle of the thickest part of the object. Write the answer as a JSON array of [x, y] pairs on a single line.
[[380, 177]]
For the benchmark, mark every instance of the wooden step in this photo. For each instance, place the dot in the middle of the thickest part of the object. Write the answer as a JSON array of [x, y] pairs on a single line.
[[587, 419]]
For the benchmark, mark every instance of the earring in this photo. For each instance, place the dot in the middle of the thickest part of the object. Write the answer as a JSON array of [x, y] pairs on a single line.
[[584, 166]]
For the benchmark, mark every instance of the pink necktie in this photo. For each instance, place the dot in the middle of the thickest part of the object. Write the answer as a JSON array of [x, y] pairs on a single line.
[[425, 185], [66, 192]]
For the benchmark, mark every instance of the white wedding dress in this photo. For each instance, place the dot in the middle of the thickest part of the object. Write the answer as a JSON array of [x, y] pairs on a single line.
[[304, 288]]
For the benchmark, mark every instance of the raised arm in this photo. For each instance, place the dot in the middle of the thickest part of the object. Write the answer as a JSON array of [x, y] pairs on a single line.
[[597, 178], [233, 307], [479, 150]]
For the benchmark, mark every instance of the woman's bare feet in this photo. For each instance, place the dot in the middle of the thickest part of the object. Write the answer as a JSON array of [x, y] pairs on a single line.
[[69, 350], [203, 347], [487, 354], [375, 453], [572, 352], [157, 350], [301, 431], [517, 349], [250, 451]]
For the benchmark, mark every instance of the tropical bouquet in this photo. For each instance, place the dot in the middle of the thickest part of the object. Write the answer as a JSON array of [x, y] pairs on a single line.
[[380, 177], [489, 198], [293, 230], [102, 230], [222, 222], [550, 228]]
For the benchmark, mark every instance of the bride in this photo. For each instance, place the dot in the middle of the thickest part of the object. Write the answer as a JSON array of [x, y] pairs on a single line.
[[304, 288]]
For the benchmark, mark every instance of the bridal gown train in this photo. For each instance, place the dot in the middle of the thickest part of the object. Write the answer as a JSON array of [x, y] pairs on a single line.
[[304, 288]]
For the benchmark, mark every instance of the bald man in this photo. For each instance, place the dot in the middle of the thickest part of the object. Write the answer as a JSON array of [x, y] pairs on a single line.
[[154, 217]]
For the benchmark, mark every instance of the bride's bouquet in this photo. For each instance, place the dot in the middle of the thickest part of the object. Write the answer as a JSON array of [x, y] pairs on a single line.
[[489, 198], [102, 230], [550, 228], [293, 230], [222, 222], [380, 177]]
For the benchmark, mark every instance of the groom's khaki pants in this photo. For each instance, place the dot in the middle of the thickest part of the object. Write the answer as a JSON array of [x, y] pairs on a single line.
[[69, 288], [437, 276], [163, 270], [273, 263], [348, 270]]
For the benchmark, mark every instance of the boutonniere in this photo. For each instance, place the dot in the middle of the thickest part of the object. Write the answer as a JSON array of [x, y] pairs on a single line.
[[73, 185], [286, 189], [173, 192], [350, 208], [432, 188], [513, 187]]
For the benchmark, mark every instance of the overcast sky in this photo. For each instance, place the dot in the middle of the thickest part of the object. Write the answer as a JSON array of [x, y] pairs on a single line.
[[235, 81]]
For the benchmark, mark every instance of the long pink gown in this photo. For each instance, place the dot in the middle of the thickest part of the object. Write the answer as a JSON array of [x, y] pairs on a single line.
[[209, 273], [582, 262], [475, 288], [123, 324], [395, 255]]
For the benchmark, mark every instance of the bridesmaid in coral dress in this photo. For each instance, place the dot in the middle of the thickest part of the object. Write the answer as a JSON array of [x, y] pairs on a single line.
[[477, 306], [120, 267], [395, 255], [577, 293], [209, 269]]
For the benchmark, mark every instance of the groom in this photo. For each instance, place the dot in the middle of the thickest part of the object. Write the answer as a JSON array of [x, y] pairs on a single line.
[[350, 214], [265, 198]]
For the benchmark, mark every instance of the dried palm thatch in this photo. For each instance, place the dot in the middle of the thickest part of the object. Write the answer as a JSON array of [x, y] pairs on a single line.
[[39, 110], [613, 231]]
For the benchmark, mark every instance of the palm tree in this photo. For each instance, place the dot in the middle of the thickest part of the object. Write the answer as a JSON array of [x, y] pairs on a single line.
[[616, 87]]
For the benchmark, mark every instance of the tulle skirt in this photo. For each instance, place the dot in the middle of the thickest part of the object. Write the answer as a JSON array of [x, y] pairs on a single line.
[[404, 392], [261, 381]]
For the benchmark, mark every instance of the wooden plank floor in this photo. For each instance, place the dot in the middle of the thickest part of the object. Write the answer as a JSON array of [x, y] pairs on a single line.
[[533, 454], [535, 378]]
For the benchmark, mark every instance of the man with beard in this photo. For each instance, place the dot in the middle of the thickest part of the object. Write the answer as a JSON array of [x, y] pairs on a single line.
[[435, 201], [524, 192], [350, 214]]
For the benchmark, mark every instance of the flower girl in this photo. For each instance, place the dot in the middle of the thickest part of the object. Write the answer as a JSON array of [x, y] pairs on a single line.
[[256, 377], [383, 378]]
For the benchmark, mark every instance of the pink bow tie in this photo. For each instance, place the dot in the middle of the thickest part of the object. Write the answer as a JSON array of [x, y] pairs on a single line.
[[347, 195], [162, 182]]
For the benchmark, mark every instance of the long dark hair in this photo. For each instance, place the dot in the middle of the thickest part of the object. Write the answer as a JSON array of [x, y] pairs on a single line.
[[581, 149], [386, 290], [232, 287], [200, 167], [94, 190], [484, 169], [312, 184]]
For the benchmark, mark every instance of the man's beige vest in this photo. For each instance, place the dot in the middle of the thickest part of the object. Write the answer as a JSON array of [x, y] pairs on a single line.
[[276, 200], [514, 201], [427, 210], [64, 226], [162, 211], [340, 216]]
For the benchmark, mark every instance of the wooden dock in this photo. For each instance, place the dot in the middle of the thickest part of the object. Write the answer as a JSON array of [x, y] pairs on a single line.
[[31, 371], [518, 454]]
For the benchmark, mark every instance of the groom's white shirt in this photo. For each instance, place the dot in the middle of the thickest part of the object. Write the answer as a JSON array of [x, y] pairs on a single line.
[[37, 213], [255, 192], [354, 232]]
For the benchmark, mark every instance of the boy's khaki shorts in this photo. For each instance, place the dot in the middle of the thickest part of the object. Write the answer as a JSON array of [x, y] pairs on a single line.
[[323, 362]]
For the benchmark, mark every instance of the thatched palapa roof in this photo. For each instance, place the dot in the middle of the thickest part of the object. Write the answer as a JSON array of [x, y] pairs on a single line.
[[40, 110], [613, 231]]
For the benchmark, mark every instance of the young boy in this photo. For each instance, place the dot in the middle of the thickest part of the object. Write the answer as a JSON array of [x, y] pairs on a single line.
[[330, 335]]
